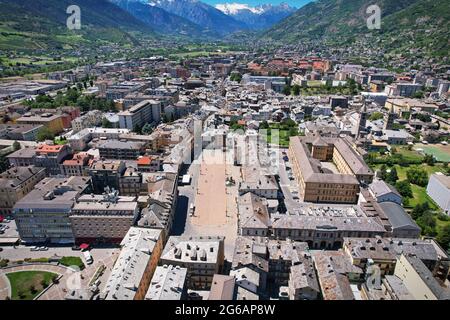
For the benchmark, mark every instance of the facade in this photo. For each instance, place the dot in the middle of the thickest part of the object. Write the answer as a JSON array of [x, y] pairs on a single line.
[[303, 283], [254, 219], [15, 183], [106, 173], [418, 279], [147, 111], [168, 283], [382, 192], [51, 157], [202, 256], [324, 227], [122, 150], [91, 119], [22, 158], [439, 190], [43, 214], [103, 218], [134, 268], [77, 166], [21, 132], [320, 184]]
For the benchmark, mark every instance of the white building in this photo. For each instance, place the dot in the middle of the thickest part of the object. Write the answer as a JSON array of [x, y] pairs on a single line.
[[439, 190]]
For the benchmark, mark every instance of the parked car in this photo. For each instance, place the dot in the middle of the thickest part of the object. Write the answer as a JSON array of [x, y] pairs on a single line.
[[43, 248], [34, 249], [76, 248]]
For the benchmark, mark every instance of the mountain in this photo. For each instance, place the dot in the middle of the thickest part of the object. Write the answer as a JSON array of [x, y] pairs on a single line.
[[202, 14], [259, 17], [160, 20], [407, 24], [41, 24]]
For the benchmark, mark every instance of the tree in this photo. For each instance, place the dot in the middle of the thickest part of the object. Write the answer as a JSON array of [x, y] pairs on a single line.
[[392, 176], [443, 237], [429, 159], [287, 90], [376, 116], [106, 123], [264, 125], [296, 89], [419, 210], [417, 176], [404, 188], [44, 134], [383, 172], [427, 223], [16, 146]]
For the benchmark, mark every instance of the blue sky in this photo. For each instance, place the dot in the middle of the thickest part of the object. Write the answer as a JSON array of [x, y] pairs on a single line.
[[294, 3]]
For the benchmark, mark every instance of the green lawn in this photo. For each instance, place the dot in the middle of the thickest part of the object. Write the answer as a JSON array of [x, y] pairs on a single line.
[[72, 261], [26, 285]]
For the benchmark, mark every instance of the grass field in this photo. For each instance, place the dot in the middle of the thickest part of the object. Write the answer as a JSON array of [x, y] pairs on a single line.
[[26, 285], [440, 152], [72, 261]]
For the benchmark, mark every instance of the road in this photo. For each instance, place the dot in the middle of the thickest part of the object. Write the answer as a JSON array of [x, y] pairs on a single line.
[[286, 185]]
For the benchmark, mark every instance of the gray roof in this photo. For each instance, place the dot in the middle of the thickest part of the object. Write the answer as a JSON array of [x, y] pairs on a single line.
[[397, 216], [425, 274]]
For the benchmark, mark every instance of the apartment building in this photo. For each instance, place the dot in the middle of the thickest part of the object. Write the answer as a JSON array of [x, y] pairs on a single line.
[[168, 283], [21, 132], [15, 183], [22, 158], [134, 268], [203, 256], [106, 173], [147, 111], [91, 119], [118, 149], [51, 157], [103, 218], [418, 279], [43, 214], [78, 165]]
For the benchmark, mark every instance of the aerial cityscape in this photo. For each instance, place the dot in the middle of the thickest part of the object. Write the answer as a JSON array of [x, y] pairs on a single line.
[[239, 150]]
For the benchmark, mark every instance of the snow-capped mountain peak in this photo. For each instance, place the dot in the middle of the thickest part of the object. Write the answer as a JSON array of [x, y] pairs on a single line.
[[235, 8]]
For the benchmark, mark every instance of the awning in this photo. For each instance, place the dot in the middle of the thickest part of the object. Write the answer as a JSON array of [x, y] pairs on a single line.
[[84, 246]]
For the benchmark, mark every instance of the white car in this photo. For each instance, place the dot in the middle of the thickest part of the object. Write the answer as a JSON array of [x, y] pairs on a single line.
[[43, 248], [34, 249]]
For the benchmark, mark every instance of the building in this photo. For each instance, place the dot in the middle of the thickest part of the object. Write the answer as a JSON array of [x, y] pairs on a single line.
[[254, 218], [134, 268], [122, 150], [15, 183], [130, 183], [439, 190], [401, 223], [43, 214], [335, 273], [322, 181], [223, 288], [324, 227], [418, 279], [382, 191], [403, 107], [20, 132], [247, 279], [168, 283], [385, 252], [162, 189], [52, 121], [147, 111], [258, 183], [106, 173], [403, 89], [22, 158], [203, 257], [303, 283], [103, 218], [92, 118], [51, 157], [78, 165]]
